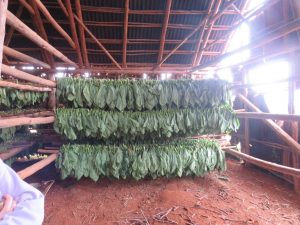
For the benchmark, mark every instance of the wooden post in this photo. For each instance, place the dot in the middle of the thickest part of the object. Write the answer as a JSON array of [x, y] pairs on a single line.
[[26, 76], [125, 34], [74, 32], [24, 58], [52, 96], [24, 29], [27, 6], [82, 34], [278, 130], [3, 9], [11, 30]]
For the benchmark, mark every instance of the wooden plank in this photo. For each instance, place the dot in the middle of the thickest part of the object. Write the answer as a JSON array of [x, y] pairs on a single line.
[[37, 166], [26, 76], [23, 87], [3, 9], [82, 34], [24, 29], [24, 58], [264, 164], [53, 22], [273, 116], [12, 122], [164, 31], [278, 130], [14, 151]]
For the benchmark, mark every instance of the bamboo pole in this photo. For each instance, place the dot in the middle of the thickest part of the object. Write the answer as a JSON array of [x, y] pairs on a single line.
[[23, 87], [27, 6], [273, 116], [82, 34], [12, 122], [278, 130], [74, 32], [24, 29], [37, 166], [54, 23], [26, 76], [14, 151], [25, 58], [164, 31], [125, 34], [264, 164], [3, 9]]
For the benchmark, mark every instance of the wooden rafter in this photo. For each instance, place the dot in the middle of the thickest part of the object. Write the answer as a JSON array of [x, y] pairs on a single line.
[[27, 6], [192, 33], [25, 58], [208, 31], [202, 31], [82, 34], [24, 29], [125, 33], [164, 30], [11, 30], [54, 23], [3, 9], [90, 33], [74, 32]]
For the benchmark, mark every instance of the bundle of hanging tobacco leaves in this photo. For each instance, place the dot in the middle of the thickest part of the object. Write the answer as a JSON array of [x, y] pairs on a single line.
[[138, 95], [175, 159], [92, 123], [13, 98]]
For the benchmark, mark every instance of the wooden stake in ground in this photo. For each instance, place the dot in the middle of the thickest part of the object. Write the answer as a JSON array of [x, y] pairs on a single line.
[[3, 8]]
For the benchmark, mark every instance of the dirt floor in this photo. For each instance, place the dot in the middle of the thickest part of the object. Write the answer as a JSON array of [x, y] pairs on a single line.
[[242, 195]]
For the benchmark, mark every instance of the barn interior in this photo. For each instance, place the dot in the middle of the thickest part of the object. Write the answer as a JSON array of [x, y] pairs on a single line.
[[151, 112]]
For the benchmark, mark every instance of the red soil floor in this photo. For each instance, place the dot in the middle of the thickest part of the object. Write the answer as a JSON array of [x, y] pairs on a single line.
[[241, 195]]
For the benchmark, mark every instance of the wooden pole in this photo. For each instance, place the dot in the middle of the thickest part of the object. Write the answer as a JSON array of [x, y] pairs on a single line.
[[24, 29], [23, 87], [74, 32], [278, 130], [54, 23], [3, 9], [11, 30], [37, 166], [273, 116], [264, 164], [82, 34], [48, 151], [27, 6], [164, 31], [12, 122], [14, 151], [26, 76], [24, 58], [125, 34], [267, 38], [192, 33]]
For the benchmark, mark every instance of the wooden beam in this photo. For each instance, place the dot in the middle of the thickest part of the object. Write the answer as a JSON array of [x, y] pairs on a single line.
[[264, 164], [24, 29], [24, 58], [164, 31], [27, 6], [125, 33], [26, 76], [208, 32], [23, 87], [228, 4], [261, 115], [82, 34], [11, 30], [3, 9], [278, 130], [74, 32], [54, 23], [260, 41], [12, 122], [201, 34], [14, 151], [23, 174], [48, 151]]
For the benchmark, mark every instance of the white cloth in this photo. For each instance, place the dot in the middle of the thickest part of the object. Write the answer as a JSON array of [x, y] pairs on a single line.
[[30, 202]]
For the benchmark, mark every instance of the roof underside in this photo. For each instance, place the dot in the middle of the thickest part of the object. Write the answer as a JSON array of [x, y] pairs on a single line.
[[105, 19]]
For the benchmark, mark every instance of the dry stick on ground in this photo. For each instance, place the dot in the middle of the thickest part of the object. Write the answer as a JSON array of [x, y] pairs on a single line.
[[163, 216]]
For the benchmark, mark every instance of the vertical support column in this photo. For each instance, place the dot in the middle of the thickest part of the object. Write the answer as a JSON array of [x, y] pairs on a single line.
[[3, 8], [52, 96]]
